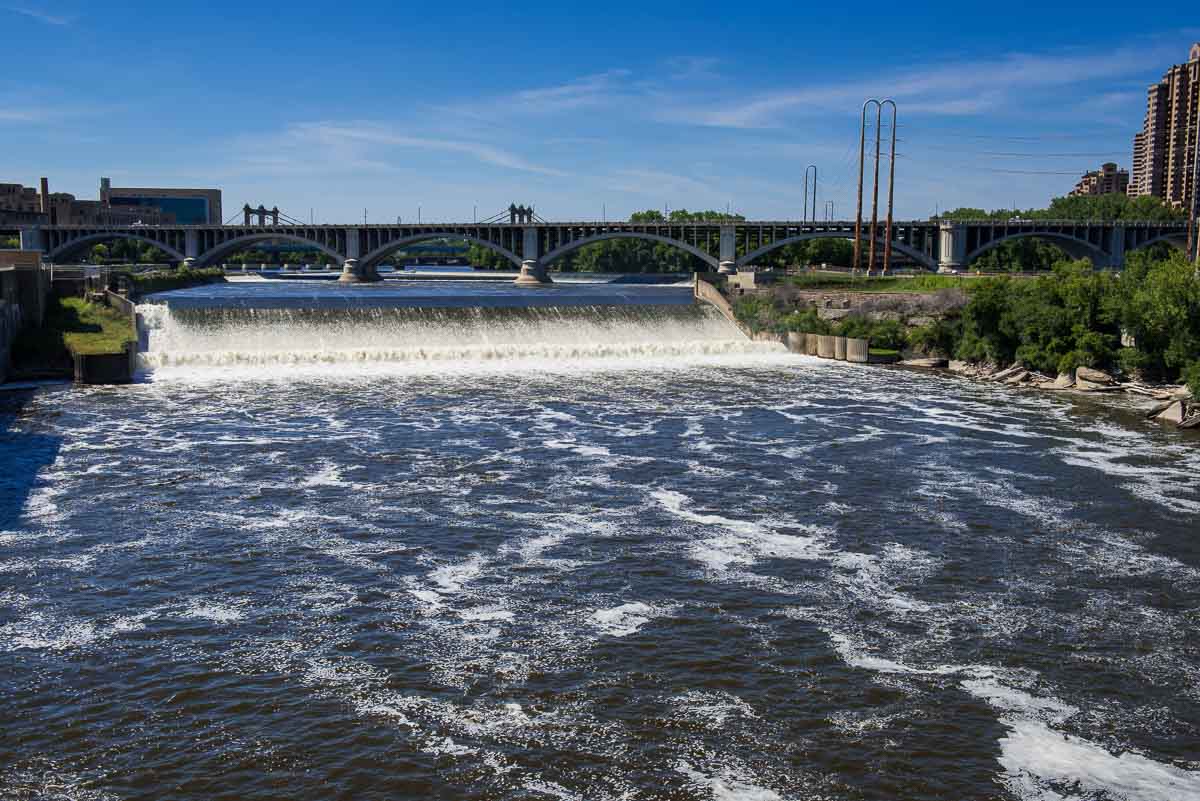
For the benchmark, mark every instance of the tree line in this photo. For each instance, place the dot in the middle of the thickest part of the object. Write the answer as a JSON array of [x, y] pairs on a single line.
[[1080, 207]]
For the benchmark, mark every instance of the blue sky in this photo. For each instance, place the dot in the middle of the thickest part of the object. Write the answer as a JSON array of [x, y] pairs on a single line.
[[330, 109]]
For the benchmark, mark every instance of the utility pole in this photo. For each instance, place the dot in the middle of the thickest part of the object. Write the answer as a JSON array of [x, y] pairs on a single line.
[[475, 213], [418, 214], [364, 216], [887, 237], [862, 154]]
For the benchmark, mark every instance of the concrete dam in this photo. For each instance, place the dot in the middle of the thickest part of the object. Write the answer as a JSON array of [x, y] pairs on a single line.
[[231, 327]]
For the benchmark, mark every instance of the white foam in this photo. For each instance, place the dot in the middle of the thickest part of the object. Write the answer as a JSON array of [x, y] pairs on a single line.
[[41, 632], [214, 610], [330, 475], [453, 578], [727, 787], [1043, 764], [623, 620]]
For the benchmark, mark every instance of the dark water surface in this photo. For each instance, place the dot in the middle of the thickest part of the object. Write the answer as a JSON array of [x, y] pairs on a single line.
[[680, 572]]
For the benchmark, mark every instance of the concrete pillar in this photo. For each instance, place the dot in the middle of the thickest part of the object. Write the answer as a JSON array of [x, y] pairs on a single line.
[[533, 273], [1116, 256], [31, 239], [952, 253], [728, 250], [191, 244], [351, 273], [189, 263], [352, 244]]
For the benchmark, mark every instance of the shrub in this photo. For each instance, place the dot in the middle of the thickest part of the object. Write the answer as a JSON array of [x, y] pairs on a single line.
[[807, 321], [1191, 376], [938, 338]]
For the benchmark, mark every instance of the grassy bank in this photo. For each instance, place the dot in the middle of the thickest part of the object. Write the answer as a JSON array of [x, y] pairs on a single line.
[[71, 324], [844, 282], [1142, 323], [181, 278]]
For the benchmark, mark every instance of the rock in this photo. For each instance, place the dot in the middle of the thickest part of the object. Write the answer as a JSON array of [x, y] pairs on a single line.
[[1064, 381], [1191, 422], [1158, 409], [1091, 386], [1007, 373], [1172, 414], [927, 363], [1181, 393], [1093, 376], [957, 366], [1018, 378]]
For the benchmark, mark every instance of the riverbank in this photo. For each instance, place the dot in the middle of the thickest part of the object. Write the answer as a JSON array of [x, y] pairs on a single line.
[[72, 330]]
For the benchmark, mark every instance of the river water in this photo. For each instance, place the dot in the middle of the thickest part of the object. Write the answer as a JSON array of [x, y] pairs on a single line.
[[586, 552]]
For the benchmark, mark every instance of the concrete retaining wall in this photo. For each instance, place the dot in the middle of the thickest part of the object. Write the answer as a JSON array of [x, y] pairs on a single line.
[[121, 303], [707, 292], [108, 368], [810, 344], [839, 348], [825, 348], [858, 350]]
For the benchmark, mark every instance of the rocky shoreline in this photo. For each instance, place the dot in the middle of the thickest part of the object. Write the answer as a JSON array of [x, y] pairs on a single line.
[[1175, 404]]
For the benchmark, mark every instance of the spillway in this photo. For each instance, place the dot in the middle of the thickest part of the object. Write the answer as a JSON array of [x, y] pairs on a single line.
[[442, 337]]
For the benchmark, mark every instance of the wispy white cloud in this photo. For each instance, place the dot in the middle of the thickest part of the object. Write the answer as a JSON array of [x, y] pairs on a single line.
[[657, 183], [18, 115], [961, 88], [692, 68], [41, 16], [364, 147]]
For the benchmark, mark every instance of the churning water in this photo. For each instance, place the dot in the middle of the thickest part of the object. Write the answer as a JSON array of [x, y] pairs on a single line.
[[585, 554]]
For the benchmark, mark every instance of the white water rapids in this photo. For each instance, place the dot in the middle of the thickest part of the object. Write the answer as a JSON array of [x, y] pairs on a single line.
[[437, 338]]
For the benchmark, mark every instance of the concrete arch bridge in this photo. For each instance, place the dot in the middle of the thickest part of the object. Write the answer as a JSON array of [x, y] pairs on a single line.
[[532, 247]]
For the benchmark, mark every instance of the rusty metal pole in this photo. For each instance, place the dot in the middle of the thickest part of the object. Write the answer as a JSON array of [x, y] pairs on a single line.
[[862, 154], [887, 243], [875, 190]]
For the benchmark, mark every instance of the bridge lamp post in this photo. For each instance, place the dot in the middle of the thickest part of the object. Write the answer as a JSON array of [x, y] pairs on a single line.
[[813, 169]]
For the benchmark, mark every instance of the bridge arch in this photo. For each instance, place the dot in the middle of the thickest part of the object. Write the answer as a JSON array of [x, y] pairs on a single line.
[[1177, 241], [67, 248], [925, 261], [214, 253], [375, 256], [570, 247], [1074, 247]]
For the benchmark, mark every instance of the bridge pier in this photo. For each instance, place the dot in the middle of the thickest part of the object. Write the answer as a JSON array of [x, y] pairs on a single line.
[[953, 247], [533, 273], [31, 239], [728, 250], [352, 273]]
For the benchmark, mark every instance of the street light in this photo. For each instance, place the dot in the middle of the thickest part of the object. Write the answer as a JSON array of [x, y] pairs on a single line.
[[813, 169]]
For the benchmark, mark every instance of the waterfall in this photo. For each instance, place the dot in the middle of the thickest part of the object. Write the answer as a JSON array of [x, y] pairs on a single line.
[[216, 337]]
